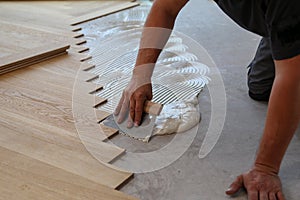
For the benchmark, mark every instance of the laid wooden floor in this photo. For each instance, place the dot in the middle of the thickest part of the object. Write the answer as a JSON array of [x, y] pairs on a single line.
[[41, 154]]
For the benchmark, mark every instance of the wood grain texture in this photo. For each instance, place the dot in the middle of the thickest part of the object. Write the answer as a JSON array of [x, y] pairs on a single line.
[[25, 178], [51, 146], [108, 130], [21, 46], [101, 115], [118, 5], [83, 164]]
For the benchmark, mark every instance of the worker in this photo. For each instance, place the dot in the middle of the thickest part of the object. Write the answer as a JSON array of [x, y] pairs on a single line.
[[274, 76]]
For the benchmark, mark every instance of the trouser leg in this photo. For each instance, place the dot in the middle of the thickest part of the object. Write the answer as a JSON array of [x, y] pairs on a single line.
[[261, 72]]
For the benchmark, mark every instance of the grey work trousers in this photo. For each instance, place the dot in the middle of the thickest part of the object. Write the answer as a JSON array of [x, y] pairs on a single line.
[[261, 72]]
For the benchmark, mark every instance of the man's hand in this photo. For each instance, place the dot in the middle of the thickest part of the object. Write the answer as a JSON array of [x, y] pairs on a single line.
[[134, 96], [259, 185]]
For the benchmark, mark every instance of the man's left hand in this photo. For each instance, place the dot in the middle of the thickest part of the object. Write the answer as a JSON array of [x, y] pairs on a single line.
[[259, 185]]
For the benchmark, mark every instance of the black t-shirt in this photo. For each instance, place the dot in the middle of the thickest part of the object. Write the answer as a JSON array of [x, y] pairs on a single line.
[[277, 19]]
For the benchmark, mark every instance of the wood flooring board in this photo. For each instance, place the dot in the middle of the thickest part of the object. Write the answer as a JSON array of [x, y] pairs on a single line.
[[25, 178], [80, 41], [18, 38], [78, 35], [86, 76], [27, 46], [109, 131], [88, 67], [103, 12], [49, 110], [51, 77], [42, 17], [31, 62], [44, 111], [101, 115], [87, 126], [83, 165], [33, 54], [60, 137], [76, 28], [48, 90], [80, 49]]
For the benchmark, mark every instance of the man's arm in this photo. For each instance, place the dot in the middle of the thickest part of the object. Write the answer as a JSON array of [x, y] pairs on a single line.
[[157, 30], [283, 118]]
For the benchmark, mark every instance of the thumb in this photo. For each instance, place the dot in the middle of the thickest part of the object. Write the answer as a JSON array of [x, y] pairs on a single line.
[[235, 186]]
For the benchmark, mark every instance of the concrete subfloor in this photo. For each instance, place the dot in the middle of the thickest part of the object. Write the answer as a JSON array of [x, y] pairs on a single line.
[[189, 177]]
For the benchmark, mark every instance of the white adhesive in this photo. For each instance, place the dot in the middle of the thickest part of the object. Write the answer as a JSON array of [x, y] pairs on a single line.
[[177, 117]]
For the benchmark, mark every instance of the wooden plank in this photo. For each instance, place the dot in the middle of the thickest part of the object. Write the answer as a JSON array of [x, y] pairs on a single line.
[[81, 164], [27, 46], [35, 15], [51, 74], [24, 178], [19, 38], [76, 28], [78, 35], [80, 41], [43, 108], [32, 56], [103, 12], [31, 62], [101, 115], [60, 136], [38, 108], [88, 67], [86, 76], [80, 49], [34, 61], [85, 57], [49, 90], [16, 92], [109, 131]]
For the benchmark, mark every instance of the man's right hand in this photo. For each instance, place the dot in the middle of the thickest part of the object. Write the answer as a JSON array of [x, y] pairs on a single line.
[[132, 101]]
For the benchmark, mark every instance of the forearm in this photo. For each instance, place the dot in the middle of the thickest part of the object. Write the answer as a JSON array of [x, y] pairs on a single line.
[[282, 118], [156, 33]]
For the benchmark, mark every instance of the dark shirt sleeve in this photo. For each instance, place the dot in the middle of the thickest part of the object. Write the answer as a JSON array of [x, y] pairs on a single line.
[[277, 19]]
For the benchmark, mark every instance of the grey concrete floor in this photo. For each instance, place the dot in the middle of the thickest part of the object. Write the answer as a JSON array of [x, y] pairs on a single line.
[[189, 177]]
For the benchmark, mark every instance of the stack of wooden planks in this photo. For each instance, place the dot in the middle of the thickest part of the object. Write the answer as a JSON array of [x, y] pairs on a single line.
[[22, 46], [41, 153]]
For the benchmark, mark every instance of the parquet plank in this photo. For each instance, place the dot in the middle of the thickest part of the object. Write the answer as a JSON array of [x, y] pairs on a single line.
[[24, 178], [59, 136], [112, 8], [47, 109], [81, 164], [25, 46]]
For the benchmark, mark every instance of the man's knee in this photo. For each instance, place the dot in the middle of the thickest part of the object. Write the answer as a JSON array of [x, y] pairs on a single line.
[[261, 72], [259, 96]]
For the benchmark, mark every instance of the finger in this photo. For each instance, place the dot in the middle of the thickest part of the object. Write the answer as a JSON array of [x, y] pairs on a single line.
[[235, 186], [131, 113], [263, 195], [272, 196], [119, 106], [149, 96], [129, 122], [123, 111], [253, 195], [139, 108], [280, 196]]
